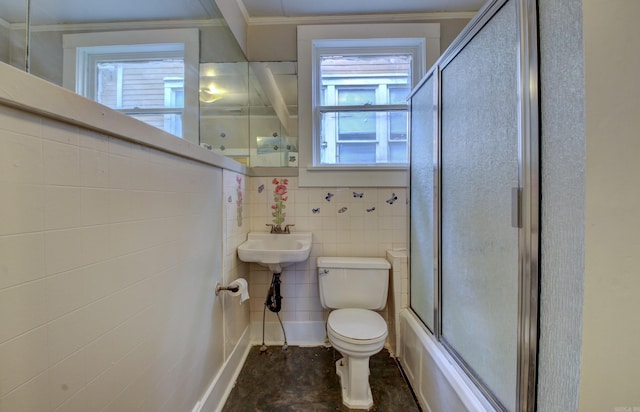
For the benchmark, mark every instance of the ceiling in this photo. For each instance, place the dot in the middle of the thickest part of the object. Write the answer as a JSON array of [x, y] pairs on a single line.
[[312, 8], [84, 11], [93, 11]]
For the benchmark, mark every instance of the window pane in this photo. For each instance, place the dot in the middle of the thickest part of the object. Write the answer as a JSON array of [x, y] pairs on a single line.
[[174, 94], [356, 153], [398, 126], [375, 71], [381, 136], [398, 95], [353, 97], [137, 84], [357, 126], [398, 152], [169, 122], [367, 80]]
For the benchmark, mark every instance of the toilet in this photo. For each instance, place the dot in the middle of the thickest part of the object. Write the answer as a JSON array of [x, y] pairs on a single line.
[[354, 287]]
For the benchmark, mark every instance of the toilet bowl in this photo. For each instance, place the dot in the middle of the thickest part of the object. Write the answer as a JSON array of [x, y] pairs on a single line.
[[355, 288], [357, 334]]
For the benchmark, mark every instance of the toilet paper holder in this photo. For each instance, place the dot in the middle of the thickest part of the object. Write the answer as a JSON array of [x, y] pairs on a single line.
[[230, 288]]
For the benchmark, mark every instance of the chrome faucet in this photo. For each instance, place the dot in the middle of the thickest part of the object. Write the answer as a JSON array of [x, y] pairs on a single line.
[[279, 229]]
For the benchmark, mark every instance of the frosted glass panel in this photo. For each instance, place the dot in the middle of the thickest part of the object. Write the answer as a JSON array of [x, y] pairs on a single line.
[[479, 168], [423, 112]]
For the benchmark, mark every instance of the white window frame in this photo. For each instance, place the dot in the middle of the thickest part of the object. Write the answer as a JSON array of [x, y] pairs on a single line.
[[79, 49], [424, 38], [381, 103], [170, 86]]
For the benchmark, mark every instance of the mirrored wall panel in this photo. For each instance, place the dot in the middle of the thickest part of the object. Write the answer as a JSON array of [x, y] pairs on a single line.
[[224, 109], [124, 54], [273, 120]]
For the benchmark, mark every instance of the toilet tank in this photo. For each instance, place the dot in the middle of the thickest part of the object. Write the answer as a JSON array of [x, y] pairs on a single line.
[[353, 282]]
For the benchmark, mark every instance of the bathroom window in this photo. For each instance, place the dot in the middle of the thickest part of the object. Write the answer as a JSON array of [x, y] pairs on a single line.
[[353, 85], [363, 109], [150, 89], [148, 75]]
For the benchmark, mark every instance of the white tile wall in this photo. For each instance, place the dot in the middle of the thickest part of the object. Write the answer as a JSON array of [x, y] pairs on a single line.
[[398, 295], [345, 225], [236, 223], [109, 253]]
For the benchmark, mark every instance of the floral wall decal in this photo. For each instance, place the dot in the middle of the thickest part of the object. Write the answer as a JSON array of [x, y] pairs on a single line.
[[239, 200], [279, 198]]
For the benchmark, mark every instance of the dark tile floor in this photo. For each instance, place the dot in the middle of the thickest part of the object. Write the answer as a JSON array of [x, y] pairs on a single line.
[[304, 379]]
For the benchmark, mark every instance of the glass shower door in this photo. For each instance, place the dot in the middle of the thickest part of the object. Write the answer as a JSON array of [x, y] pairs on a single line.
[[480, 166], [422, 228]]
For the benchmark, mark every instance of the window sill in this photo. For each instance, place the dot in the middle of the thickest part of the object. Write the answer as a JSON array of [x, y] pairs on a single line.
[[356, 168], [341, 176]]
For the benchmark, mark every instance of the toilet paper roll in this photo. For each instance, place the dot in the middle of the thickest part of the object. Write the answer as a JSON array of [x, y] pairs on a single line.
[[243, 289]]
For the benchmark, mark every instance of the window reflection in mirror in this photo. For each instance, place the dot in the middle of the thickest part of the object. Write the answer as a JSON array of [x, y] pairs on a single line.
[[12, 32], [240, 116]]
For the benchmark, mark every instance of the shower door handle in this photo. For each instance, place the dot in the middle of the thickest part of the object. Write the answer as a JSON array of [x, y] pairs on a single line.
[[516, 200]]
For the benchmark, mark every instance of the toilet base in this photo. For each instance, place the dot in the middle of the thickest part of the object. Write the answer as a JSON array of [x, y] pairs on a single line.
[[354, 379]]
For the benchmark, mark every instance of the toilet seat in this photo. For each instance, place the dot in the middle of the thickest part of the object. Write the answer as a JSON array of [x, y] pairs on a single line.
[[358, 326]]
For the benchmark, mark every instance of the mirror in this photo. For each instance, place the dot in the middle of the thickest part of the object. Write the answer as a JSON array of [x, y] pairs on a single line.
[[273, 120], [235, 113], [249, 112], [224, 109]]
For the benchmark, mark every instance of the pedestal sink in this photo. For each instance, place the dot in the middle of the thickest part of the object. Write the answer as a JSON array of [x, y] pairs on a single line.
[[275, 250]]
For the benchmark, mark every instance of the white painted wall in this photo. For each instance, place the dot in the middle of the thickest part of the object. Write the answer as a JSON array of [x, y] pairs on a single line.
[[610, 369], [278, 41], [562, 206]]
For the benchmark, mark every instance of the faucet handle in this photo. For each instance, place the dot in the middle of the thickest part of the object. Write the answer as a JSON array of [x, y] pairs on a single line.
[[273, 227], [286, 228]]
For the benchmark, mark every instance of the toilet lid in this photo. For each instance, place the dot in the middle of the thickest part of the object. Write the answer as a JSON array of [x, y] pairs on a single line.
[[360, 324]]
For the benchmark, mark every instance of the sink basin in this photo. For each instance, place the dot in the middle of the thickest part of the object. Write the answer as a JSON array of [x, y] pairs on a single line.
[[275, 250]]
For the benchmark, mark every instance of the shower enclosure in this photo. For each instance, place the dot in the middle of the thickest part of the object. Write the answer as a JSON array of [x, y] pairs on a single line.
[[474, 203]]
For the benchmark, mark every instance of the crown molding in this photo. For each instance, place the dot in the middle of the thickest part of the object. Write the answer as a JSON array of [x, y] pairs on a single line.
[[127, 25], [359, 18]]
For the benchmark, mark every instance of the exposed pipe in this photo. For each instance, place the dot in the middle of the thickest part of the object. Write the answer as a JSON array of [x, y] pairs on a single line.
[[274, 303], [274, 299]]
